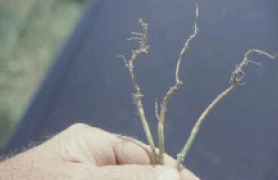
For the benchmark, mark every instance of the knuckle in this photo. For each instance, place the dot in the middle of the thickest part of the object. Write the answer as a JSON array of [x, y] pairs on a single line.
[[79, 126], [82, 127]]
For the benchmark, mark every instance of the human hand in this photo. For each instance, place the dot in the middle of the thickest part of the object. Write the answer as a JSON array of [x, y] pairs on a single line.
[[82, 152]]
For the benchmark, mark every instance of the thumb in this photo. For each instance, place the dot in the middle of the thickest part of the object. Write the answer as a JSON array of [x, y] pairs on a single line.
[[135, 172]]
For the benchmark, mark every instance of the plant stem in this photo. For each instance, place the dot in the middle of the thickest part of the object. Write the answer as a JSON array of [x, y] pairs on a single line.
[[197, 125], [236, 77], [143, 48], [173, 89]]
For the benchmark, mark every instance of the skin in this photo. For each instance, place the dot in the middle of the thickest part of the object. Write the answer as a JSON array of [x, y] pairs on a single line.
[[81, 152]]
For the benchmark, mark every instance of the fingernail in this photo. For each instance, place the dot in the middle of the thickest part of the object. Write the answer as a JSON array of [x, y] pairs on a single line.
[[166, 173]]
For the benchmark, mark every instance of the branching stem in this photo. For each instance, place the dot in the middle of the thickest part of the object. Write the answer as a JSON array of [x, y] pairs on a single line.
[[173, 89], [236, 77], [143, 48]]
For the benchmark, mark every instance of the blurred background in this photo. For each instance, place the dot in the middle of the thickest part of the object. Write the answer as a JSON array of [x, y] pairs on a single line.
[[89, 84], [31, 32]]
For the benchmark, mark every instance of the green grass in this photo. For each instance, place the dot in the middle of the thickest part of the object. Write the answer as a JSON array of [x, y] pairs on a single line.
[[31, 32]]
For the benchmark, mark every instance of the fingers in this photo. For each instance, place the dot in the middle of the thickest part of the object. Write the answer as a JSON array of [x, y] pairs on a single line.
[[131, 145], [132, 172], [87, 145], [168, 160], [81, 143], [185, 174], [131, 151], [129, 172]]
